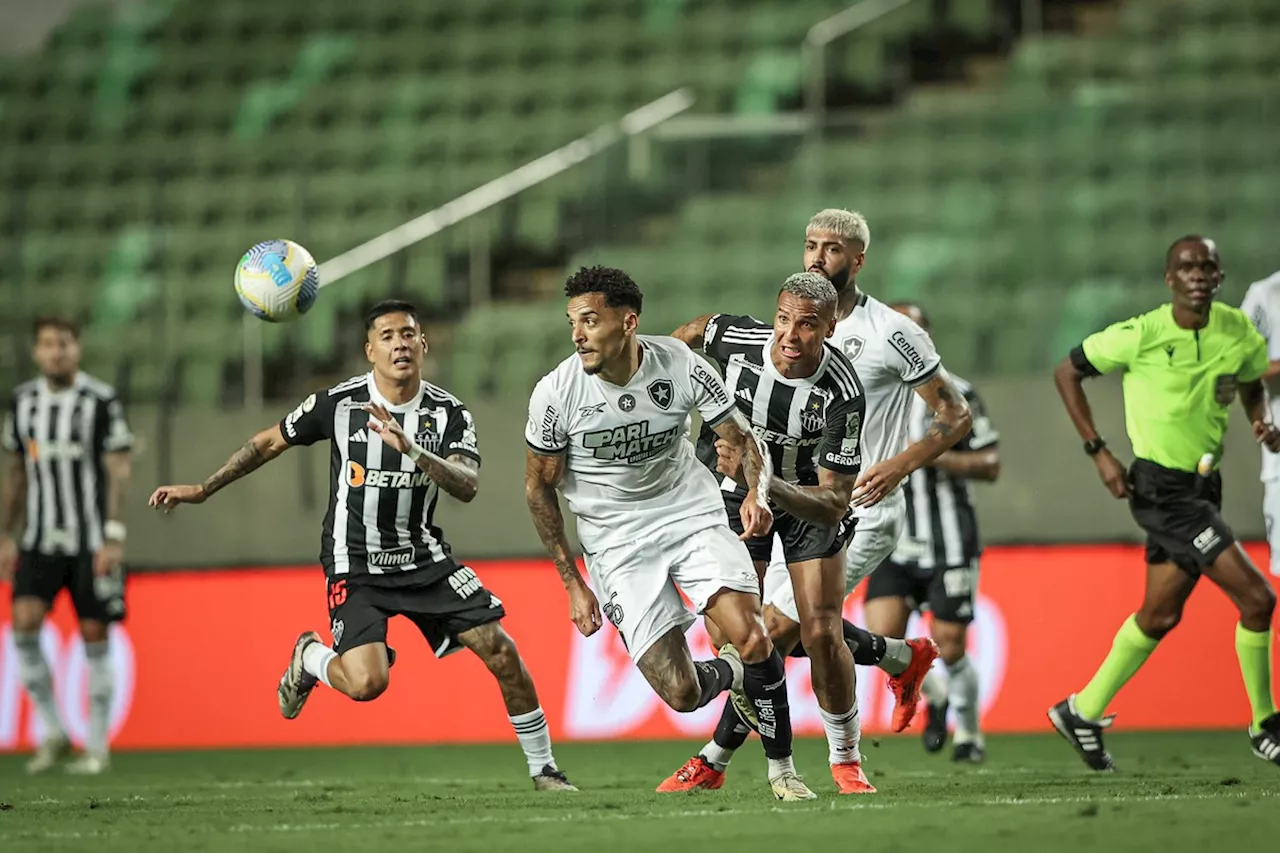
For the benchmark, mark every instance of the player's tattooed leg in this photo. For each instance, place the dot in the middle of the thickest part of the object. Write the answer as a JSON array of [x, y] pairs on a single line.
[[674, 676], [498, 651]]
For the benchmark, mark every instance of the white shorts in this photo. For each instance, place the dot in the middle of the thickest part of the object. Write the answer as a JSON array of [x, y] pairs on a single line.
[[1271, 513], [639, 585], [874, 539]]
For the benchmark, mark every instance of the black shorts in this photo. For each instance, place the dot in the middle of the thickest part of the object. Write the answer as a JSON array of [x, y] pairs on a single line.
[[948, 593], [442, 609], [1181, 514], [801, 540], [43, 576]]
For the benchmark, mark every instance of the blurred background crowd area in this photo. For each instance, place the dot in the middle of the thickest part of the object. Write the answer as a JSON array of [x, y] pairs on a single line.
[[1023, 165]]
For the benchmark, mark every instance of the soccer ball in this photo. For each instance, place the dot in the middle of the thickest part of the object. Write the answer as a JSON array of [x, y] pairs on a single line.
[[277, 281]]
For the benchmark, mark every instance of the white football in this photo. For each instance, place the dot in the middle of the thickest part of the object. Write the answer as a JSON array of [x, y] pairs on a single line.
[[277, 281]]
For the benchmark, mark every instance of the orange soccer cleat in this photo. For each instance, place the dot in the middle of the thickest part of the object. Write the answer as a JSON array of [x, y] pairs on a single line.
[[696, 773], [906, 687], [850, 779]]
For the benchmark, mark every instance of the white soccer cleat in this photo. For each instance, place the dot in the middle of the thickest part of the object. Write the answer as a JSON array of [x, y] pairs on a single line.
[[729, 653], [791, 788], [296, 684], [48, 754], [89, 764], [552, 779]]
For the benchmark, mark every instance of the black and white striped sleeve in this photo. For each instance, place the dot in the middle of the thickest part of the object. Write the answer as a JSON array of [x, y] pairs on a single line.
[[545, 431], [846, 413], [113, 427], [983, 434], [311, 421], [730, 333], [460, 434]]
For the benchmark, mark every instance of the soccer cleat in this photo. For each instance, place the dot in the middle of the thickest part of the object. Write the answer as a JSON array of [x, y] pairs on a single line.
[[48, 754], [551, 779], [742, 705], [935, 727], [1084, 735], [296, 684], [906, 687], [1266, 739], [89, 764], [729, 652], [969, 753], [696, 773], [790, 788], [850, 779]]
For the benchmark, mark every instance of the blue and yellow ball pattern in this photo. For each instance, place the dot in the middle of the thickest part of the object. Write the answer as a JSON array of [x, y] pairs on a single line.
[[277, 281]]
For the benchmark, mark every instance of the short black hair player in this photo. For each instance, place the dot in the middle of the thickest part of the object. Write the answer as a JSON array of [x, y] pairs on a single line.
[[396, 442], [1184, 363], [69, 458]]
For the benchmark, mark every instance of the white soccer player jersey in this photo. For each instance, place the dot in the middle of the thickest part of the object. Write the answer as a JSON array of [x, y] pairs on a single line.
[[1262, 304], [891, 355], [630, 474]]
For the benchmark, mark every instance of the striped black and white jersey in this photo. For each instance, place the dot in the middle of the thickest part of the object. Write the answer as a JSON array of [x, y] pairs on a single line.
[[805, 423], [381, 505], [63, 437], [942, 527]]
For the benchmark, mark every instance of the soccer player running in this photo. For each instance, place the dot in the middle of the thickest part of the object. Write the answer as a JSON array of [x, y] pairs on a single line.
[[935, 566], [606, 428], [62, 526], [1262, 305], [1184, 363], [396, 442], [895, 361]]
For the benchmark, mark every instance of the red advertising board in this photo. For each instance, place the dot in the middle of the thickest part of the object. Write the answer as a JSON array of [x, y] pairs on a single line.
[[198, 660]]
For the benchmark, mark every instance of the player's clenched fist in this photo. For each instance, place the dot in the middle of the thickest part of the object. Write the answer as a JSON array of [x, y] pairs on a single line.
[[584, 609], [757, 519]]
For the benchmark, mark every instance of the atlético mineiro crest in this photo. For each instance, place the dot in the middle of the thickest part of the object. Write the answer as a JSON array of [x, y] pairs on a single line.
[[813, 418], [661, 392], [853, 347]]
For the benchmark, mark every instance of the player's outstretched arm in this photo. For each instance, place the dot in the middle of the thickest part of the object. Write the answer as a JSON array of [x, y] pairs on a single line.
[[13, 509], [825, 503], [456, 474], [1069, 380], [693, 332], [257, 451], [542, 473]]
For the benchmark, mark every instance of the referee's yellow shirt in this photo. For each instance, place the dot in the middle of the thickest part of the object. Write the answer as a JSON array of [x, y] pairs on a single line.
[[1179, 383]]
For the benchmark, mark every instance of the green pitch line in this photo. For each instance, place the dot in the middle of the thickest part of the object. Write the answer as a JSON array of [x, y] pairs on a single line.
[[1175, 792]]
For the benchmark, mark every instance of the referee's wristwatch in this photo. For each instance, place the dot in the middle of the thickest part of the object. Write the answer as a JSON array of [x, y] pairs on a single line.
[[1094, 445]]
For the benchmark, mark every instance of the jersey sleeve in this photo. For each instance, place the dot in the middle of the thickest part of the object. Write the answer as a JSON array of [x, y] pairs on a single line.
[[9, 439], [1259, 306], [709, 395], [546, 431], [725, 333], [1113, 348], [842, 436], [310, 422], [1256, 358], [114, 434], [918, 360], [460, 434], [983, 433]]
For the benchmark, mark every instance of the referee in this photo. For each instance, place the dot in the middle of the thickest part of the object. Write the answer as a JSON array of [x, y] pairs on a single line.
[[1184, 364], [68, 448]]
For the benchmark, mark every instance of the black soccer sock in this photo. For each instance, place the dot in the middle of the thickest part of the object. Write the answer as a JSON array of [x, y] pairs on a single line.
[[765, 684], [714, 677], [731, 732], [868, 648]]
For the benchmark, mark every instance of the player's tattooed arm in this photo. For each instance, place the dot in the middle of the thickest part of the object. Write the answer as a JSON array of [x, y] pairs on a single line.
[[825, 503], [739, 451], [542, 474], [952, 420], [694, 331], [255, 453]]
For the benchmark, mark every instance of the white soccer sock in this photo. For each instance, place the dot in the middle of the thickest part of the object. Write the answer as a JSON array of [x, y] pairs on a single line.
[[33, 671], [934, 687], [844, 731], [315, 660], [962, 693], [717, 756], [535, 739], [778, 766], [102, 682], [897, 656]]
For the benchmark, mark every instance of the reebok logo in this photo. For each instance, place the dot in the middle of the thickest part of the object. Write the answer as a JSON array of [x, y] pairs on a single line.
[[360, 436]]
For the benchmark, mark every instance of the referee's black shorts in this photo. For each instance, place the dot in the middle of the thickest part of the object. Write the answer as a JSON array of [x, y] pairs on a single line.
[[1181, 514]]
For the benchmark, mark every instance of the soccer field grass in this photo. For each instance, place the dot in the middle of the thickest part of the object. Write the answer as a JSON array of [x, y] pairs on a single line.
[[1174, 792]]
